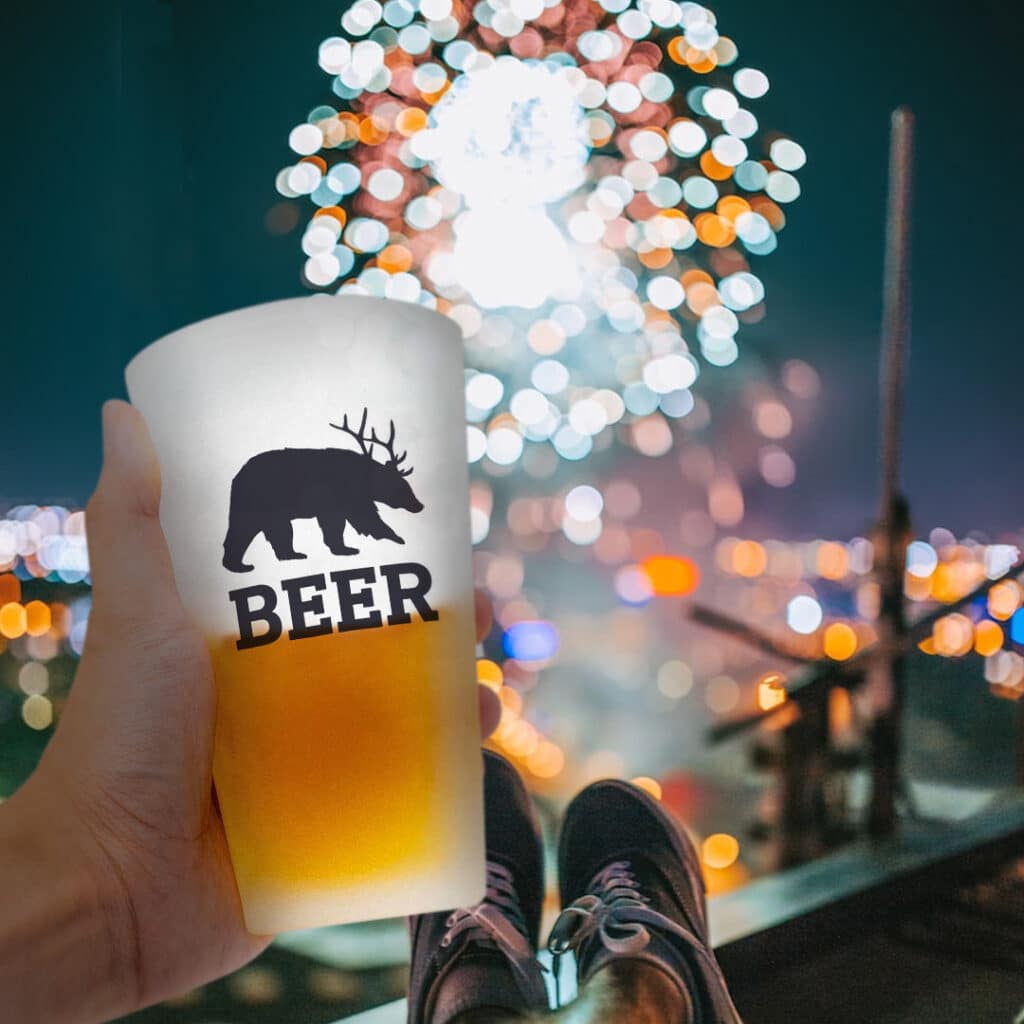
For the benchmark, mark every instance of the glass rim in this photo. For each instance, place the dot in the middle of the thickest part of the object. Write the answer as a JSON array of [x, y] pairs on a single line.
[[275, 308]]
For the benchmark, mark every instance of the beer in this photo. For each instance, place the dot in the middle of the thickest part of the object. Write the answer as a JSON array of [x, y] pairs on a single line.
[[327, 764], [315, 501]]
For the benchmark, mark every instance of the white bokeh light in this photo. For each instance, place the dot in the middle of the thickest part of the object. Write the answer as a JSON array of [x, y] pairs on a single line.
[[510, 132], [803, 614], [531, 264]]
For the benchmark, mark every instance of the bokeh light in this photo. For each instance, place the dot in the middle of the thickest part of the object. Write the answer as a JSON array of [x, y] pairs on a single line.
[[671, 576], [840, 641], [720, 850], [531, 641], [803, 614], [771, 691], [585, 177]]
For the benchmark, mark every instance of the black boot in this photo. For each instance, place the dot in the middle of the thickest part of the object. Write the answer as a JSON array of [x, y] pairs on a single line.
[[483, 956], [632, 890]]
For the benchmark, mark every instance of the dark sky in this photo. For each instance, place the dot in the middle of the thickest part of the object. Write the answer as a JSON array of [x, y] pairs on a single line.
[[142, 141]]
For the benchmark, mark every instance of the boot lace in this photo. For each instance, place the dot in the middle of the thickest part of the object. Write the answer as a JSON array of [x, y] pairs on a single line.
[[497, 922], [617, 913]]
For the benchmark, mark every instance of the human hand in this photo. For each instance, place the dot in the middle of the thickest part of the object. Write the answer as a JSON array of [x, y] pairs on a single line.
[[124, 789]]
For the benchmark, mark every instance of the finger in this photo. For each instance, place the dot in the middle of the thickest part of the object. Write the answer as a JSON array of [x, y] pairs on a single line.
[[483, 613], [128, 559], [490, 710]]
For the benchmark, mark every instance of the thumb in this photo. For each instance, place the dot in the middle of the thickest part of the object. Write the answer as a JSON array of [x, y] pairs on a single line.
[[133, 581]]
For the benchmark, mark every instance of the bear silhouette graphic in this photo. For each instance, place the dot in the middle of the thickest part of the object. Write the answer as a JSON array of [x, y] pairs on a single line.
[[338, 487]]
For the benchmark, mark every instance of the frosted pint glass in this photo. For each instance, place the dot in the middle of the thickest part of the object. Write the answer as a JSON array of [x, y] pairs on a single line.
[[315, 501]]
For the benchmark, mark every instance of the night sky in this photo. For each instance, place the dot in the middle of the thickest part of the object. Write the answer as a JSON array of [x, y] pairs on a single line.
[[142, 141]]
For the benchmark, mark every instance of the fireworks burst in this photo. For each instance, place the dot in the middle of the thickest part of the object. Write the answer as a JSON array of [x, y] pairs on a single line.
[[580, 186]]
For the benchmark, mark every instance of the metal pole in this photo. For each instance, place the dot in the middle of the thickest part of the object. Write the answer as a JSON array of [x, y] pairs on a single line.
[[896, 304], [894, 519]]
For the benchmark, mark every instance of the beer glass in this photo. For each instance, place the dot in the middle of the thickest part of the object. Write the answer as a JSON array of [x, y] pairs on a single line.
[[315, 501]]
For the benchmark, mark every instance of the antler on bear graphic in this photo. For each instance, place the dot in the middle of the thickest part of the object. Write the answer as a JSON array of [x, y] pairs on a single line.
[[335, 486]]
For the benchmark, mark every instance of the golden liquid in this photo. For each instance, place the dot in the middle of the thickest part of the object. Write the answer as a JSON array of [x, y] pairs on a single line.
[[327, 755]]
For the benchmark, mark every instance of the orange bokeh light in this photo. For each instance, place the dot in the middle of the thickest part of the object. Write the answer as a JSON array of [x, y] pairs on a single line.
[[701, 296], [410, 121], [546, 761], [371, 133], [771, 691], [694, 277], [840, 710], [332, 211], [988, 637], [731, 207], [701, 61], [833, 561], [12, 620], [511, 701], [677, 48], [840, 641], [953, 635], [655, 259], [749, 559], [712, 168], [1003, 599], [720, 850], [671, 575], [714, 230], [394, 259], [37, 618], [489, 674]]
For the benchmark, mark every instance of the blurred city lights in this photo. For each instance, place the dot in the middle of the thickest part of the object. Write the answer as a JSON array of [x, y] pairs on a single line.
[[671, 575], [531, 641], [771, 691], [803, 614], [988, 637], [719, 851], [37, 712], [633, 585], [1004, 599], [722, 694], [840, 641], [675, 679], [953, 635], [922, 560], [1017, 627], [489, 674]]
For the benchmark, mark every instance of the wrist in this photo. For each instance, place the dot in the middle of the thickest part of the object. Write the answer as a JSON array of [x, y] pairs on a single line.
[[66, 941]]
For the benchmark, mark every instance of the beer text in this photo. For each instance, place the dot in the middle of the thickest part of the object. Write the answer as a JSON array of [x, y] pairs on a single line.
[[353, 602]]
